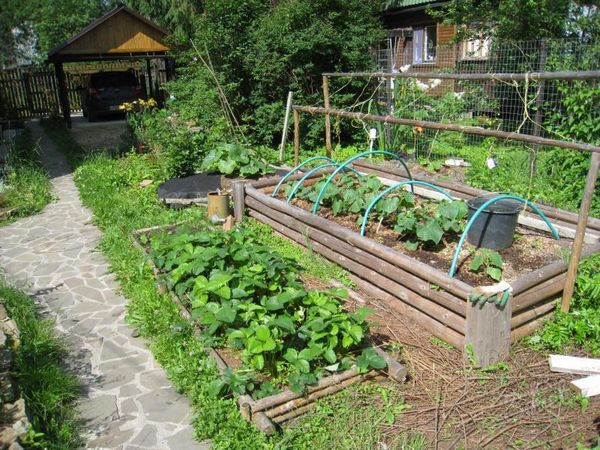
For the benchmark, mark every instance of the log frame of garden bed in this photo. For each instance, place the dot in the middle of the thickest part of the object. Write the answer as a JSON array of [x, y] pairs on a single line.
[[425, 294], [269, 412]]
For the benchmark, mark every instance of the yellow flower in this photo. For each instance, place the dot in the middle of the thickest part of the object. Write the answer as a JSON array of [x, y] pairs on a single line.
[[151, 102]]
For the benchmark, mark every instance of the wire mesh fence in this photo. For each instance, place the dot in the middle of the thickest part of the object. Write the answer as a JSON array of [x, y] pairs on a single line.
[[559, 108]]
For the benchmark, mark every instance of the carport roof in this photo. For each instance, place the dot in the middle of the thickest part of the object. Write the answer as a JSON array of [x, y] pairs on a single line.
[[121, 33]]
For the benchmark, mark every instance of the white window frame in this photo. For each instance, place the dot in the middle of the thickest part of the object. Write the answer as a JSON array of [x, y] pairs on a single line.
[[476, 48], [420, 47]]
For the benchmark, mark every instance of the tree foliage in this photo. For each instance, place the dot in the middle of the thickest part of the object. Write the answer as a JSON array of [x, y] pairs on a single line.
[[521, 19]]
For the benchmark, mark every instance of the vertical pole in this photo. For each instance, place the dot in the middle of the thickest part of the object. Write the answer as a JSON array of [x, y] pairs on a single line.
[[539, 103], [296, 138], [149, 72], [588, 194], [238, 200], [62, 92], [327, 117], [488, 331], [286, 119]]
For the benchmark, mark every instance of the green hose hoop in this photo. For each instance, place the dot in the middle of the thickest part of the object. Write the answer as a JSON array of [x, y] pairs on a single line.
[[480, 209], [348, 161], [310, 172], [289, 174], [396, 186]]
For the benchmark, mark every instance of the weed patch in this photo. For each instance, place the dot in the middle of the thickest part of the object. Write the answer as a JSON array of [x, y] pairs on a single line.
[[48, 388]]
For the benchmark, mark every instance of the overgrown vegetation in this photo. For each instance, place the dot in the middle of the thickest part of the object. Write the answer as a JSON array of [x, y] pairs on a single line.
[[250, 297], [26, 185], [49, 390], [581, 326]]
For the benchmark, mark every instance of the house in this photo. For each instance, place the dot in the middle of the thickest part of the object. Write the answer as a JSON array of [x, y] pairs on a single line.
[[417, 41]]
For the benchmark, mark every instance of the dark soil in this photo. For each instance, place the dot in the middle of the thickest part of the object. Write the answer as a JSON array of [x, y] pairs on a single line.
[[531, 249]]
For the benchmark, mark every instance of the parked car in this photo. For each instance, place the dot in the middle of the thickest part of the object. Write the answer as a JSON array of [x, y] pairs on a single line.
[[107, 90]]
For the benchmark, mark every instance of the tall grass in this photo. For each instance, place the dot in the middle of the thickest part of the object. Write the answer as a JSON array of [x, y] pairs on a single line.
[[49, 389]]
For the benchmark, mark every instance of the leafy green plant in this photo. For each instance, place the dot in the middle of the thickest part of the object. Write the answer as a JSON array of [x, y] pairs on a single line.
[[489, 260], [235, 159], [248, 296]]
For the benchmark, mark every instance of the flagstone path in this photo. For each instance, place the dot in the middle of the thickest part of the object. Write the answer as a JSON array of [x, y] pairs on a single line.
[[128, 401]]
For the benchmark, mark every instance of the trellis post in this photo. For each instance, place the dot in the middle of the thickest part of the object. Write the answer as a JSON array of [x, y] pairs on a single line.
[[327, 117], [588, 194]]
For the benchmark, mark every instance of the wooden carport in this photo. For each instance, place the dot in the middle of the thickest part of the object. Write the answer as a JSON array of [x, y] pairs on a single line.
[[120, 34]]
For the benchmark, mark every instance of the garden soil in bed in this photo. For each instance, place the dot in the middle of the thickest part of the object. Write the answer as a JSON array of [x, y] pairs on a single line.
[[531, 249], [521, 404]]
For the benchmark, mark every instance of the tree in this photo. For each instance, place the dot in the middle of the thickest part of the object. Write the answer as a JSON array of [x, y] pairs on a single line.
[[518, 19]]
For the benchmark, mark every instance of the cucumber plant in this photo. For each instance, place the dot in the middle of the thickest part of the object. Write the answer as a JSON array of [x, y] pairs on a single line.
[[488, 260]]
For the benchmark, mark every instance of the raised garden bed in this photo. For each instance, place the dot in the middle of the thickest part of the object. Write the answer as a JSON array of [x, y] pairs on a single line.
[[421, 290], [277, 409]]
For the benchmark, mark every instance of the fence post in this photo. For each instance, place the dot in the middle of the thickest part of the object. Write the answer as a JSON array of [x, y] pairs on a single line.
[[62, 92], [327, 116], [539, 103], [238, 200], [488, 331], [296, 138], [588, 194], [286, 119]]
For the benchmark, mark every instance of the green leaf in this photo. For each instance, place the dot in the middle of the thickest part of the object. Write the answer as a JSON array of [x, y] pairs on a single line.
[[262, 332], [216, 388], [430, 232], [329, 356], [476, 263], [227, 166], [285, 323], [495, 259], [494, 273], [226, 314], [411, 245]]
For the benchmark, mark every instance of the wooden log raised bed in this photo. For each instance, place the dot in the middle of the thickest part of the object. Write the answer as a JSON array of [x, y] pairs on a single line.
[[421, 292], [273, 411]]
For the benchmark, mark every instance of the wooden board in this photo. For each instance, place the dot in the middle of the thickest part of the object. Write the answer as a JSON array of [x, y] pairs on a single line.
[[573, 364], [589, 386]]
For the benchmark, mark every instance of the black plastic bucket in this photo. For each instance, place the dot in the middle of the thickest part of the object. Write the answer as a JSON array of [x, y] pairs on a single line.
[[495, 226]]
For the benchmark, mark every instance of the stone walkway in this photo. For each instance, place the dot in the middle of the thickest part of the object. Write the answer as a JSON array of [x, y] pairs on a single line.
[[129, 403]]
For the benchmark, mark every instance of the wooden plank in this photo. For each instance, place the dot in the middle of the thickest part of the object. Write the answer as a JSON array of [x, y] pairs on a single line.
[[434, 276], [574, 364], [411, 284], [589, 386]]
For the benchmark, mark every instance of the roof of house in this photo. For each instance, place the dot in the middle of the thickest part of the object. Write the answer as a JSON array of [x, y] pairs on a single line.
[[121, 31]]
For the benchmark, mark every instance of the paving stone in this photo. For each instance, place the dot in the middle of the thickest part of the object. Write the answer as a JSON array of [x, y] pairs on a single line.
[[164, 405], [128, 402]]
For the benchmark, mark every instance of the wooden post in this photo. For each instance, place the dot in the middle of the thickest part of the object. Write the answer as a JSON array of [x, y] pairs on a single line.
[[238, 200], [488, 331], [286, 119], [62, 92], [149, 71], [327, 116], [296, 138], [539, 103], [588, 194]]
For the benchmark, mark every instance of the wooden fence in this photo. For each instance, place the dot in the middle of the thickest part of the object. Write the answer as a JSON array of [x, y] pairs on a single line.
[[32, 92]]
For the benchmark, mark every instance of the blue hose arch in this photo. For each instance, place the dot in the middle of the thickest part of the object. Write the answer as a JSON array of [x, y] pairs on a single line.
[[310, 172], [348, 161], [391, 188], [482, 208], [303, 163]]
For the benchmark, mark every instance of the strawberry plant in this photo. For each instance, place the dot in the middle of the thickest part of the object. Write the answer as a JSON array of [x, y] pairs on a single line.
[[245, 295]]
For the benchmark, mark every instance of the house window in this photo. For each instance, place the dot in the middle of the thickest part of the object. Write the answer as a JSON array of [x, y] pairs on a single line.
[[425, 44], [477, 47]]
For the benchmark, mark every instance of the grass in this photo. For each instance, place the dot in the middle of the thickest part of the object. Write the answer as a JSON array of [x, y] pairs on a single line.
[[48, 388], [27, 183], [110, 188]]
